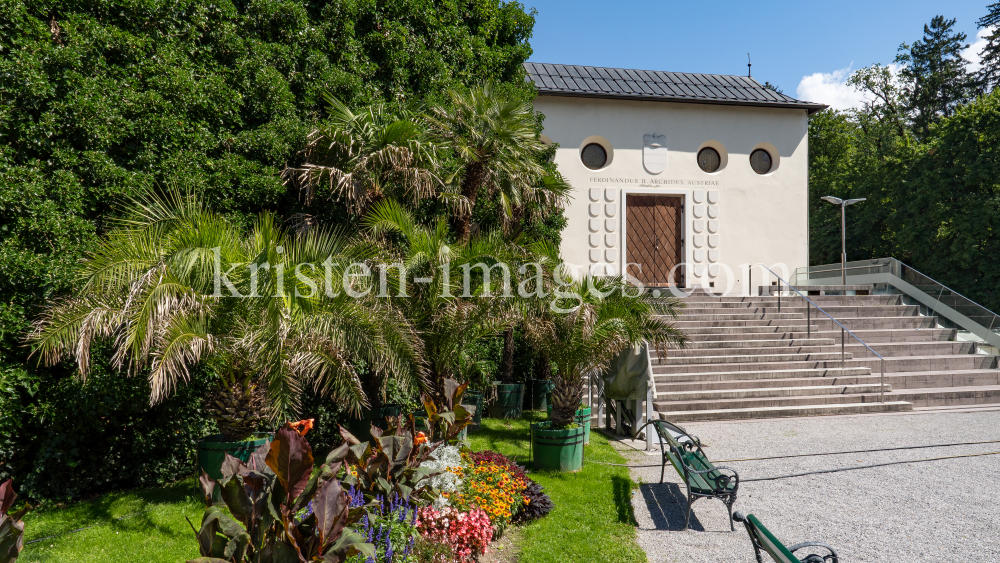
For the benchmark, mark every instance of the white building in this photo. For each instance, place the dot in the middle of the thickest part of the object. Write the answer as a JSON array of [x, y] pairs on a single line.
[[685, 179]]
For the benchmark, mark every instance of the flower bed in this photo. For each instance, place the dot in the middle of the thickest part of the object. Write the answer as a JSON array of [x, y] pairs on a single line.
[[466, 502]]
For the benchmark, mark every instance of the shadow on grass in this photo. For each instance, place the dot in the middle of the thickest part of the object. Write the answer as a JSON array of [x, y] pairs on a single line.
[[109, 509], [622, 488]]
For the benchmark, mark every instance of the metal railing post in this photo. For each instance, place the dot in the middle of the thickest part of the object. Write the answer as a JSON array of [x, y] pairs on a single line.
[[881, 391], [779, 295], [842, 339], [808, 319]]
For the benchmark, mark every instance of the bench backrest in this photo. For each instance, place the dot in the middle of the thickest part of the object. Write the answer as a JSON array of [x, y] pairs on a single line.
[[672, 435], [766, 542]]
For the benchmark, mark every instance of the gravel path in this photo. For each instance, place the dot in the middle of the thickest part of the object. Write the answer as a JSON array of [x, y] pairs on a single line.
[[936, 511]]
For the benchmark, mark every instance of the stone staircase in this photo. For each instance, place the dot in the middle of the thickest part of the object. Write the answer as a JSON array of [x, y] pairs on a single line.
[[747, 360]]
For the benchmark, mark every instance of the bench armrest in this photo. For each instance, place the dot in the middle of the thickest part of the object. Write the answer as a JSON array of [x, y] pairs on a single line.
[[721, 480], [814, 558]]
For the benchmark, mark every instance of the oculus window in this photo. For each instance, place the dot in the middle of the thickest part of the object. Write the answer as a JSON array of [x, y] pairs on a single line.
[[709, 160], [594, 156], [760, 161]]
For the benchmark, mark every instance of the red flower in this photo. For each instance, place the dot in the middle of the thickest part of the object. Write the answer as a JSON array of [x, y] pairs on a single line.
[[303, 426]]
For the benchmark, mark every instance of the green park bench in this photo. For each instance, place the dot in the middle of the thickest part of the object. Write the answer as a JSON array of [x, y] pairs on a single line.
[[702, 479], [763, 540]]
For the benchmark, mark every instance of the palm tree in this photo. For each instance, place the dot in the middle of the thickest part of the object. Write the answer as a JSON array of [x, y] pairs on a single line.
[[599, 320], [494, 138], [363, 157], [175, 285], [446, 314]]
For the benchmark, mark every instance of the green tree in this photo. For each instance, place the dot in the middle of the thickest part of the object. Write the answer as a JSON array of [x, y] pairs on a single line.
[[989, 74], [949, 203], [449, 316], [493, 135], [935, 75], [175, 285], [595, 321], [358, 158]]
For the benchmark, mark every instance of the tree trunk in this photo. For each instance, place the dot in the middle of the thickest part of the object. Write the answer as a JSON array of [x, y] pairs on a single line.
[[238, 408], [566, 398], [507, 366], [543, 367], [472, 180]]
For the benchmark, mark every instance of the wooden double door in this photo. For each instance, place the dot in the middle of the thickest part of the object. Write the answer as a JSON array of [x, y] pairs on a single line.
[[654, 245]]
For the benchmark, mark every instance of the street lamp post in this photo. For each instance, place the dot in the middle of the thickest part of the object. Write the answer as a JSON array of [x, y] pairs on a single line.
[[843, 203]]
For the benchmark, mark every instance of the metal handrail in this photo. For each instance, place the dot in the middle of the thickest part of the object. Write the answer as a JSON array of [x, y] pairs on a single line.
[[895, 267], [843, 329]]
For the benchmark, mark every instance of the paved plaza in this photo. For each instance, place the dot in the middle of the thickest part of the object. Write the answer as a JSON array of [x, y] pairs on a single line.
[[938, 511]]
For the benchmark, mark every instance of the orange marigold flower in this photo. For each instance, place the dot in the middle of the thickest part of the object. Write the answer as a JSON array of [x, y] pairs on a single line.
[[419, 439]]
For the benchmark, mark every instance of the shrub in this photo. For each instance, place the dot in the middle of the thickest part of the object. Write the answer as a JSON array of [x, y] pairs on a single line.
[[62, 438], [536, 503], [390, 526]]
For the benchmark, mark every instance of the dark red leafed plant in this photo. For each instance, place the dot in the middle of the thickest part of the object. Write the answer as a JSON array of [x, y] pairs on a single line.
[[11, 525], [280, 510]]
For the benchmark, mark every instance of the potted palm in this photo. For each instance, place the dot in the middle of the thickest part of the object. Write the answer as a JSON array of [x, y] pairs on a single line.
[[175, 286], [599, 318]]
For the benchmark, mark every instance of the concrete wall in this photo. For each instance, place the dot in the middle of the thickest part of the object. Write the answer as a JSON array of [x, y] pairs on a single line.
[[732, 218]]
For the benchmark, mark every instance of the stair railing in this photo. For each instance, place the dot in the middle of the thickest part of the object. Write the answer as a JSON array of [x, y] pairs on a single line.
[[843, 330]]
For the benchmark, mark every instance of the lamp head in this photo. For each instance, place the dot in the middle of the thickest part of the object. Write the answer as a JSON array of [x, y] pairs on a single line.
[[833, 200], [853, 201]]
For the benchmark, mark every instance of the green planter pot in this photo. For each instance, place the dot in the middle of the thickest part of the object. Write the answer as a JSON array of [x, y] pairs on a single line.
[[474, 399], [557, 450], [583, 419], [538, 394], [212, 452], [509, 399], [362, 429]]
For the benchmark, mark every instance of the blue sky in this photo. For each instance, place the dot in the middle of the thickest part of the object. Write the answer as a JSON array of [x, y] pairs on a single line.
[[787, 41]]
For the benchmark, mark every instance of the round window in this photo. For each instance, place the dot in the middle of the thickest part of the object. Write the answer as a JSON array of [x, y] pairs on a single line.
[[760, 161], [709, 160], [594, 156]]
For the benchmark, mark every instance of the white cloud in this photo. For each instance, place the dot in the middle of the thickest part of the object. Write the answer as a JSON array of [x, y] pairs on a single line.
[[972, 54], [830, 88]]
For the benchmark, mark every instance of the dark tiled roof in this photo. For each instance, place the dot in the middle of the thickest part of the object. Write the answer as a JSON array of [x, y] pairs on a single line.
[[620, 83]]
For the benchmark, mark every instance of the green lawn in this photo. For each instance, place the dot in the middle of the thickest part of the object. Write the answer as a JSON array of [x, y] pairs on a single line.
[[592, 519], [155, 529]]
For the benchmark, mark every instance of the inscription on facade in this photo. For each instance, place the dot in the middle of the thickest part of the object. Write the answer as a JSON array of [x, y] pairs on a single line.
[[653, 181]]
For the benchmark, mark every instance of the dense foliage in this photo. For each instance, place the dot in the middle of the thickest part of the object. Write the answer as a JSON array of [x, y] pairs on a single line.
[[63, 439], [924, 150], [101, 98]]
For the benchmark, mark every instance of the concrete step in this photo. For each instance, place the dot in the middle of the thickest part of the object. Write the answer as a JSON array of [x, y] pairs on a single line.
[[689, 316], [756, 375], [812, 378], [747, 359], [906, 363], [885, 349], [763, 392], [822, 301], [869, 336], [852, 323], [776, 412], [756, 343], [769, 402], [948, 396], [836, 311]]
